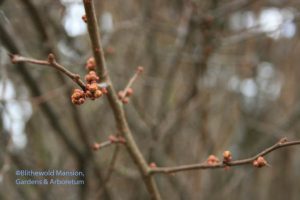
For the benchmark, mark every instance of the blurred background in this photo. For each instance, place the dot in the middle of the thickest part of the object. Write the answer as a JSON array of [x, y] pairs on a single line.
[[219, 75]]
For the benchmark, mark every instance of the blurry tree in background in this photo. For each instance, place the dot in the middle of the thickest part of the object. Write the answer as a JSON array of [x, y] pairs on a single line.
[[217, 75]]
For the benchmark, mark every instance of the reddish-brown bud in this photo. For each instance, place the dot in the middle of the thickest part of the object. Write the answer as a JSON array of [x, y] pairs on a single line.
[[120, 94], [227, 157], [260, 162], [212, 160], [125, 100], [84, 18], [121, 140], [91, 77], [81, 100], [152, 165], [92, 87], [96, 146], [90, 64], [129, 92], [98, 93], [78, 97], [113, 139], [88, 94], [104, 90], [140, 69]]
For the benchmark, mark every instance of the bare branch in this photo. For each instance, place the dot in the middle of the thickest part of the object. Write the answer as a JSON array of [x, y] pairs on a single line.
[[280, 144], [139, 70], [112, 140], [51, 62]]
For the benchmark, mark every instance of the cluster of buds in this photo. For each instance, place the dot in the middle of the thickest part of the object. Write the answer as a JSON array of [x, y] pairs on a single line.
[[78, 97], [212, 160], [124, 97], [92, 90], [227, 157], [260, 162]]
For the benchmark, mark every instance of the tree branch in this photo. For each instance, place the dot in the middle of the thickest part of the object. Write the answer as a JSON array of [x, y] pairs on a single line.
[[139, 70], [115, 104], [112, 140], [51, 62], [280, 144]]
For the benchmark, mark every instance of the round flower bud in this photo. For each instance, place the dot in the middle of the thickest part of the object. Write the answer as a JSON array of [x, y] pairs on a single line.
[[98, 93]]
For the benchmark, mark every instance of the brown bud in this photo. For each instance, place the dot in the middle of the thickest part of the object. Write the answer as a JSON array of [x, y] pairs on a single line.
[[84, 18], [88, 94], [260, 162], [212, 160], [91, 77], [113, 139], [98, 93], [77, 91], [92, 87], [90, 64], [129, 92], [81, 100], [140, 69], [96, 146], [104, 90], [121, 140], [152, 165], [125, 100], [120, 94], [78, 97], [227, 157]]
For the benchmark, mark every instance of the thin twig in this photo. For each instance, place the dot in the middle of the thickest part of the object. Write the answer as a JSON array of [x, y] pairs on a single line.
[[112, 140], [131, 81], [51, 62], [280, 144]]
